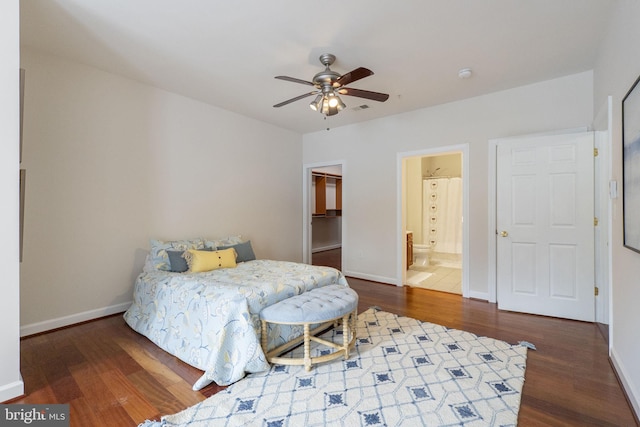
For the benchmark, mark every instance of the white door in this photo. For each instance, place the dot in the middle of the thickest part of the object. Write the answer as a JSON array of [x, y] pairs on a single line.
[[545, 236]]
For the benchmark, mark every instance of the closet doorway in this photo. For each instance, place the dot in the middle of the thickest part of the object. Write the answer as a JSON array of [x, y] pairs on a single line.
[[433, 204], [323, 216]]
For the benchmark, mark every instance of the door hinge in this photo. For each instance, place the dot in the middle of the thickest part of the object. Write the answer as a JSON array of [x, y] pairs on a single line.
[[597, 291], [595, 221], [595, 152]]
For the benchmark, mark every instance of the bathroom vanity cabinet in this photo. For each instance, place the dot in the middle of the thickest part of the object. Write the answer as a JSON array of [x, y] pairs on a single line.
[[409, 249]]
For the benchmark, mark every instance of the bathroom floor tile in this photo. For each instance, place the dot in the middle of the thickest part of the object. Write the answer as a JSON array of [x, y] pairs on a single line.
[[444, 279]]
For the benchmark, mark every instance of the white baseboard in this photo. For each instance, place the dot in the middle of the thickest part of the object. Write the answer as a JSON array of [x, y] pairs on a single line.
[[371, 277], [47, 325], [326, 248], [11, 390], [478, 295], [629, 388]]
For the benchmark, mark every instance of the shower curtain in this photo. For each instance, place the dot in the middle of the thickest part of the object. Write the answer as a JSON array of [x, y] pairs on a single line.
[[442, 214]]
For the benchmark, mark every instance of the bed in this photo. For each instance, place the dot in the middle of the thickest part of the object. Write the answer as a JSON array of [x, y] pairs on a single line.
[[210, 319]]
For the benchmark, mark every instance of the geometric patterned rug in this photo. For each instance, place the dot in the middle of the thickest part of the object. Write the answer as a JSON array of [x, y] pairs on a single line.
[[402, 372]]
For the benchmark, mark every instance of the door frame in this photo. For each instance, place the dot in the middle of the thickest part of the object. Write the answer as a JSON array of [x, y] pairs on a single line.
[[602, 233], [608, 191], [401, 227], [307, 215]]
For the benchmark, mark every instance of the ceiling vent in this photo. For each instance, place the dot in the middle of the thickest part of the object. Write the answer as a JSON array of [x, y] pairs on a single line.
[[360, 107]]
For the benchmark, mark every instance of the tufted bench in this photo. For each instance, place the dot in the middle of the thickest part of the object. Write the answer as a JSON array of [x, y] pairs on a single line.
[[317, 306]]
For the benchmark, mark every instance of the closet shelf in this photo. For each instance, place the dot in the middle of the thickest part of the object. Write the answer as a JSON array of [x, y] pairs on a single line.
[[320, 205], [330, 213]]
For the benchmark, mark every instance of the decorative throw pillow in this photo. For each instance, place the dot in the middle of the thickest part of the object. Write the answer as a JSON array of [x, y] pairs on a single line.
[[227, 241], [200, 261], [177, 263], [244, 251], [158, 253]]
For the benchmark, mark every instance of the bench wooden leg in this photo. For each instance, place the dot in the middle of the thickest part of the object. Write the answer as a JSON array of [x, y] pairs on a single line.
[[264, 338], [345, 335], [307, 348], [354, 325]]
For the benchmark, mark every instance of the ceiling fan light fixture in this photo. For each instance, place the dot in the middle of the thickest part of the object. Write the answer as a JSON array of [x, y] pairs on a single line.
[[333, 100], [341, 106], [316, 104], [325, 106]]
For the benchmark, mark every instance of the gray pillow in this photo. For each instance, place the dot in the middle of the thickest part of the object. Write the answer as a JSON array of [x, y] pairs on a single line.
[[177, 263], [244, 251]]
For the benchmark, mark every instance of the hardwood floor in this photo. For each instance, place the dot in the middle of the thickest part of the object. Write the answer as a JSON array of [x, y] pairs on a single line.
[[568, 380], [110, 375]]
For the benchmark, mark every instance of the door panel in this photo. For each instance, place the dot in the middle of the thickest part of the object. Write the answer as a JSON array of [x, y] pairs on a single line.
[[524, 276], [545, 243]]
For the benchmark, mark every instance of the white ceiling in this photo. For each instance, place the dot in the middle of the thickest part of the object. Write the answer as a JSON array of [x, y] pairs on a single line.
[[226, 53]]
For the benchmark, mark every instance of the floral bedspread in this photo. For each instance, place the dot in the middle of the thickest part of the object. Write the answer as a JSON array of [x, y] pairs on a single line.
[[211, 320]]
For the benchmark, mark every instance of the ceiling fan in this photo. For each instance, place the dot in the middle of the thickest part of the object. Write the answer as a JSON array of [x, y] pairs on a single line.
[[329, 85]]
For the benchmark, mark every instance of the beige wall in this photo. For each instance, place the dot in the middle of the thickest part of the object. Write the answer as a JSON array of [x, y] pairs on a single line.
[[112, 163], [617, 68], [413, 197], [11, 384], [442, 165], [370, 221]]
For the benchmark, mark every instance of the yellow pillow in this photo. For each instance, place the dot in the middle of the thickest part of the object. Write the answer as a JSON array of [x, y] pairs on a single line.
[[200, 261]]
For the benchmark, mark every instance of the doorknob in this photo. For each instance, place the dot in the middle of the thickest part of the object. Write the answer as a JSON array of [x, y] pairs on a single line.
[[504, 234]]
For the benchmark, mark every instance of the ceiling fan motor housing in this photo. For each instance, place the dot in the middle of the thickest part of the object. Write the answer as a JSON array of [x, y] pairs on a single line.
[[327, 75]]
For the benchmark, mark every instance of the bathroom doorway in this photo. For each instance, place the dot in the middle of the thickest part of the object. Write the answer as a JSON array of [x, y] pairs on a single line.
[[433, 226]]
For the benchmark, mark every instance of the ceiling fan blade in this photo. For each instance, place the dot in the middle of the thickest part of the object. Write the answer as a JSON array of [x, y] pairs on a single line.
[[376, 96], [294, 80], [352, 76], [289, 101]]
